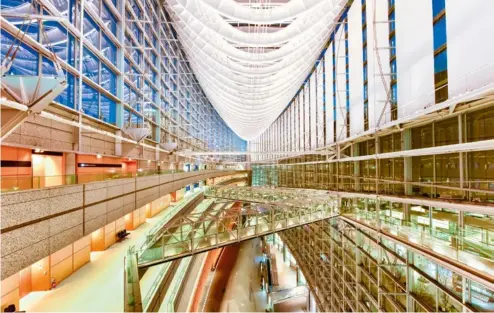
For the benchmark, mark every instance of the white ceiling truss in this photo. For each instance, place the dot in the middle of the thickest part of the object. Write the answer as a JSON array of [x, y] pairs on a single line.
[[252, 56]]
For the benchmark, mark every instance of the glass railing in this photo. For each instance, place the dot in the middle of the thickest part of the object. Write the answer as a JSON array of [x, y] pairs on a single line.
[[230, 226], [174, 288], [448, 190], [170, 213], [203, 206], [294, 197], [156, 284], [459, 245], [131, 279], [16, 183]]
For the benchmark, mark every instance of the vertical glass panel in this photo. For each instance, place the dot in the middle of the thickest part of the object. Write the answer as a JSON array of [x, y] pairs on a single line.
[[480, 297], [47, 67], [480, 173], [437, 7], [423, 168], [26, 61], [480, 124], [448, 174], [392, 43], [90, 100], [57, 39], [109, 49], [62, 6], [440, 62], [422, 137], [72, 50], [439, 33], [422, 289], [108, 18], [90, 65], [91, 30], [108, 80], [67, 96], [108, 110]]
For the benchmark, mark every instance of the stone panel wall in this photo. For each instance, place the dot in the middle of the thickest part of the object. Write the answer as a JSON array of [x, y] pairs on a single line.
[[36, 223]]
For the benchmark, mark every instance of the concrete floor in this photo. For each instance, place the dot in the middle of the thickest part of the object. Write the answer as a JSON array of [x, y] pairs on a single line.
[[97, 286]]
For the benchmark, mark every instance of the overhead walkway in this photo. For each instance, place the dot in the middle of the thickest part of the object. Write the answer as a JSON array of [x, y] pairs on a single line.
[[464, 250], [138, 296], [256, 213], [461, 250], [261, 211], [232, 214]]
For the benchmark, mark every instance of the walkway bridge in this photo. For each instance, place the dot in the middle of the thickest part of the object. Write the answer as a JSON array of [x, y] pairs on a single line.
[[235, 214], [327, 250]]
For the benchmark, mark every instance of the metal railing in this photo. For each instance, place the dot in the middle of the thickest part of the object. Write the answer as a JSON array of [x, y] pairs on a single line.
[[155, 285], [186, 236], [10, 183], [173, 211], [473, 190], [176, 283], [459, 245]]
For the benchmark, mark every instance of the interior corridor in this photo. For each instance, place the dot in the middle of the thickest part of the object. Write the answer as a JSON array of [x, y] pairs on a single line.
[[95, 287]]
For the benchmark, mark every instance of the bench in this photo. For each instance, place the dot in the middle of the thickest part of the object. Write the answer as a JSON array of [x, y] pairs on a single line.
[[122, 234]]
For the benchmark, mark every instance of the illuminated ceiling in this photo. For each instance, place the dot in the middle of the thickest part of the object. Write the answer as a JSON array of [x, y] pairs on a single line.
[[251, 57]]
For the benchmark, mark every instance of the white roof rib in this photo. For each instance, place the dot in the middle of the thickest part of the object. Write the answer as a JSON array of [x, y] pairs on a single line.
[[251, 73]]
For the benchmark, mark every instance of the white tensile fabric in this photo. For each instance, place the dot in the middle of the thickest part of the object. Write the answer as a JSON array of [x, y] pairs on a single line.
[[250, 73], [470, 53]]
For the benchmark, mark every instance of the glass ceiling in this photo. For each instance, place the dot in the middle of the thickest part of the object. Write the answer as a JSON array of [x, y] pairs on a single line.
[[251, 57]]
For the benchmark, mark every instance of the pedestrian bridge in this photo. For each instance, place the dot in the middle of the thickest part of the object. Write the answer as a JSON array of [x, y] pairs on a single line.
[[234, 214]]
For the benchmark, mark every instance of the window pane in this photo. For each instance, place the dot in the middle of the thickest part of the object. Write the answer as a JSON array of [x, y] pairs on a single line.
[[109, 19], [108, 80], [440, 62], [67, 96], [91, 30], [26, 61], [108, 110], [109, 49], [439, 33], [90, 66], [90, 100], [437, 6]]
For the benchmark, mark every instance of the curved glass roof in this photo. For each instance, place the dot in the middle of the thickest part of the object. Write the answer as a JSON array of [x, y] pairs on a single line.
[[251, 57]]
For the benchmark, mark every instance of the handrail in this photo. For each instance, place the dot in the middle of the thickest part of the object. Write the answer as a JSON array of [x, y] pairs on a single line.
[[132, 292], [11, 183], [458, 234], [153, 232], [176, 283], [441, 185], [369, 218], [156, 283]]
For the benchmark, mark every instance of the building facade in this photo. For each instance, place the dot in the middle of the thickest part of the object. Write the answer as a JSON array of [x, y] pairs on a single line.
[[396, 121]]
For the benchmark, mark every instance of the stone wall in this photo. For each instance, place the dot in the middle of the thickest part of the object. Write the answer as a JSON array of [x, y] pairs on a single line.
[[36, 223]]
